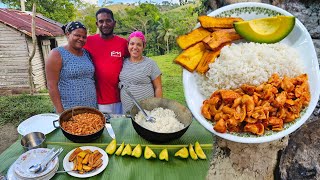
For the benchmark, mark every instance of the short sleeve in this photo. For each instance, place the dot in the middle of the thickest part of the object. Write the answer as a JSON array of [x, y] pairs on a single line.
[[155, 71]]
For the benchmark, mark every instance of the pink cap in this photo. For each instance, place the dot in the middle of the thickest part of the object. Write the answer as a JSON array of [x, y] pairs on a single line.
[[137, 34]]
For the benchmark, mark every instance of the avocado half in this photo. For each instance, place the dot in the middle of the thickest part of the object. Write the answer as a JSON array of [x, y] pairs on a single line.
[[265, 30]]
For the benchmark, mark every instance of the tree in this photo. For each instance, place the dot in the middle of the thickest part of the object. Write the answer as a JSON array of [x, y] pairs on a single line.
[[140, 18], [87, 15], [61, 11], [165, 31]]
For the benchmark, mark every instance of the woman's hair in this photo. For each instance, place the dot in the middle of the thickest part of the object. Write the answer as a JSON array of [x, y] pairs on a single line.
[[104, 10], [69, 27], [139, 35]]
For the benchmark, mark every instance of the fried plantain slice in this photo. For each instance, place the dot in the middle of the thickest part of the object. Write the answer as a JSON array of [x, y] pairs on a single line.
[[218, 22], [217, 38], [187, 40], [191, 57]]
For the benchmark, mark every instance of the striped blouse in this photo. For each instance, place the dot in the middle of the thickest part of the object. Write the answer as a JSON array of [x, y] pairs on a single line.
[[137, 77]]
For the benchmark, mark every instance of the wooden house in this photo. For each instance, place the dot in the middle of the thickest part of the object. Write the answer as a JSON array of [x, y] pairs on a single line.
[[16, 47]]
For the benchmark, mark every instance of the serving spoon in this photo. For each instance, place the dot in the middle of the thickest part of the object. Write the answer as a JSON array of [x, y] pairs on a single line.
[[43, 165], [148, 117]]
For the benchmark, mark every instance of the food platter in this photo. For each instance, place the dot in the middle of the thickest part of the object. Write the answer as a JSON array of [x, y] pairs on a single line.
[[69, 165], [38, 123], [299, 39]]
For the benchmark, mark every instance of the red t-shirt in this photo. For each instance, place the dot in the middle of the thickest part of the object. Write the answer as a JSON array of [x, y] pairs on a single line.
[[107, 56]]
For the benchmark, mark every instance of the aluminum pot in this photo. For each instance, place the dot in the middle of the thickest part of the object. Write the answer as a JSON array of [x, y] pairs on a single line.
[[66, 116], [183, 114]]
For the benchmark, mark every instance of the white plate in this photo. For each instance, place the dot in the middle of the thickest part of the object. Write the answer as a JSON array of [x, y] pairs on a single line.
[[69, 165], [31, 157], [11, 175], [38, 123], [299, 39]]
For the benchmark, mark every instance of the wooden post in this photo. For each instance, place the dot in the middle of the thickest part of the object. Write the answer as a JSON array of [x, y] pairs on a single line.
[[34, 43], [22, 4]]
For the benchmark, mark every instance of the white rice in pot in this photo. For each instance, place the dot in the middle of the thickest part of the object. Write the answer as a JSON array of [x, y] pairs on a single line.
[[166, 121], [249, 63]]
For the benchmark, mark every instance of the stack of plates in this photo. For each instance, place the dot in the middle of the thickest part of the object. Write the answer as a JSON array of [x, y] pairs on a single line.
[[19, 170]]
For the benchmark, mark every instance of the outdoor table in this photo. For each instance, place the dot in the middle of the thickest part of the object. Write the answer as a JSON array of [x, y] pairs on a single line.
[[128, 167]]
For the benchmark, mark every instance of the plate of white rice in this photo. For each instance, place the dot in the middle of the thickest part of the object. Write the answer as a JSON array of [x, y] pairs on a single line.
[[252, 63]]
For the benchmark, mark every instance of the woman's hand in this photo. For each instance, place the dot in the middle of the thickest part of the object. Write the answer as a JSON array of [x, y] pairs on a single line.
[[53, 66], [157, 86]]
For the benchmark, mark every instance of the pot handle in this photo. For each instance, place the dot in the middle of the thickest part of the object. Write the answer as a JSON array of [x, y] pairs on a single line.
[[54, 125]]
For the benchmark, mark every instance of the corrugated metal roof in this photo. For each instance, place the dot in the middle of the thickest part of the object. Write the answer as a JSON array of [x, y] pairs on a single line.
[[22, 22]]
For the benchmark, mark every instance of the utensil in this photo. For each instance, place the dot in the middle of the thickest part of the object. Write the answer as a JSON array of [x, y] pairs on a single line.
[[183, 114], [36, 167], [64, 171], [109, 127], [148, 118], [33, 140], [41, 167], [67, 114]]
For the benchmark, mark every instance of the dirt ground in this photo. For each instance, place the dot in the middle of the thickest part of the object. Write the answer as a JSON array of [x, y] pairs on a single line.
[[8, 135]]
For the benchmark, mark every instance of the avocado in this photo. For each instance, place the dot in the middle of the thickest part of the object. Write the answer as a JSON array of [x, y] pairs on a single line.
[[164, 155], [120, 148], [183, 153], [199, 151], [265, 30], [192, 153], [112, 146], [127, 150], [148, 153], [137, 151]]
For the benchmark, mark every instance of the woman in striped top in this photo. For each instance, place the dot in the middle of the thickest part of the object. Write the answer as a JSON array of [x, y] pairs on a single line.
[[140, 75]]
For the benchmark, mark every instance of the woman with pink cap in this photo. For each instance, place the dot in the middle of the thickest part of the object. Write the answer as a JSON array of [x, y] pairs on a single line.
[[140, 75]]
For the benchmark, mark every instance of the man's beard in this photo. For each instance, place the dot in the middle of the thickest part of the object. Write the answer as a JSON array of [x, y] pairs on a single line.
[[106, 34]]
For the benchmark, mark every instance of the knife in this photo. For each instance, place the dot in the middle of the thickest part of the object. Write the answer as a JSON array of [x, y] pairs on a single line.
[[109, 127]]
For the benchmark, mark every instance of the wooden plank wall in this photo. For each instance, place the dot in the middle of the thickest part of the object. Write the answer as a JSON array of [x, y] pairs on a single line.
[[37, 66], [13, 58], [61, 40]]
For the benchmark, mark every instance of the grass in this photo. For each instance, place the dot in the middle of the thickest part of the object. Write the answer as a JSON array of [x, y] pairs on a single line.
[[15, 109], [171, 77]]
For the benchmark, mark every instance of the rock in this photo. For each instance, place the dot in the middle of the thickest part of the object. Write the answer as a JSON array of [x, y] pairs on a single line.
[[307, 11], [300, 159], [239, 161], [316, 43]]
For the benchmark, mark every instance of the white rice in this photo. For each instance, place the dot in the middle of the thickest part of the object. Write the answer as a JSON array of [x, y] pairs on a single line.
[[249, 63], [165, 122]]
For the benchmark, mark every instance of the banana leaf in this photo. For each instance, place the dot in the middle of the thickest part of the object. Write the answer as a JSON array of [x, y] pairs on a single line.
[[128, 167]]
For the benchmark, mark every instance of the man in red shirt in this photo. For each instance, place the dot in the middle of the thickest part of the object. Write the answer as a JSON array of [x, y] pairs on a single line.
[[107, 52]]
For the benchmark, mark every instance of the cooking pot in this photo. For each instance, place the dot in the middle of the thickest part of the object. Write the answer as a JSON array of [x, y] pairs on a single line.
[[66, 116], [182, 113]]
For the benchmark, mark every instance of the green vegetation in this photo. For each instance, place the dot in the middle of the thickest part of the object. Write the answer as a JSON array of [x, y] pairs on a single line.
[[171, 78], [15, 109], [59, 10]]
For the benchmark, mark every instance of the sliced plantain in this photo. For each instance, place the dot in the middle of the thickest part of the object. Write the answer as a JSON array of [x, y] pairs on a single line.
[[137, 151], [192, 153], [164, 155], [148, 153], [183, 153], [199, 151], [120, 148], [112, 146], [127, 150]]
